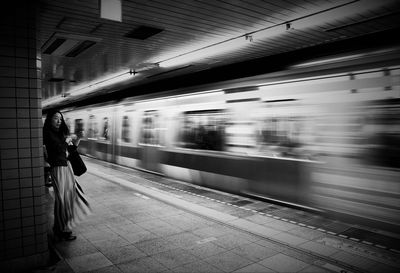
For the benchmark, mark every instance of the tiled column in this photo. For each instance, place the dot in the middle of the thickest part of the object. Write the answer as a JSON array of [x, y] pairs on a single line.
[[23, 223]]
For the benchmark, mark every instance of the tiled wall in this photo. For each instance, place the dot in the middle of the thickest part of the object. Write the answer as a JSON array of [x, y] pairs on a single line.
[[23, 223]]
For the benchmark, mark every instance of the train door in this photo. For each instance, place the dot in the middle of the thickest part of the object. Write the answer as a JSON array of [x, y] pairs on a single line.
[[150, 141], [100, 139], [126, 136], [105, 141], [92, 135]]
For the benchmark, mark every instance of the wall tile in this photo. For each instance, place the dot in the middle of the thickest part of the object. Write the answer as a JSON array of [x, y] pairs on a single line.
[[28, 221], [10, 184], [25, 163], [23, 123], [12, 214], [21, 102], [7, 113], [27, 212], [11, 194], [8, 134], [7, 92], [22, 92], [8, 123], [28, 230], [25, 172], [9, 163], [9, 153], [25, 182], [8, 103], [10, 174]]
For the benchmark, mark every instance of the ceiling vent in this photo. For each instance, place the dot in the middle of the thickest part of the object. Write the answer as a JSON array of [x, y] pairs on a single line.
[[68, 45], [143, 32]]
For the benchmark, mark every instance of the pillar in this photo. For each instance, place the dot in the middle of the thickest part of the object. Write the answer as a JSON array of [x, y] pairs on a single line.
[[23, 222]]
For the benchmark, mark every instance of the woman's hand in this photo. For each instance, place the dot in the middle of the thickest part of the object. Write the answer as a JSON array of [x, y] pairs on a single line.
[[75, 140], [68, 140]]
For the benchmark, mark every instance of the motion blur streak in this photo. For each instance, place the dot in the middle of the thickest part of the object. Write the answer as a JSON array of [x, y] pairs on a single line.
[[325, 137]]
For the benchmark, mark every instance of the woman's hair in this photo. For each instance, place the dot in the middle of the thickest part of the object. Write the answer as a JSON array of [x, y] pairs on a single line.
[[63, 127]]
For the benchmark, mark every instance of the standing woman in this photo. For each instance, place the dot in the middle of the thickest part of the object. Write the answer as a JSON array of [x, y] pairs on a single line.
[[69, 199]]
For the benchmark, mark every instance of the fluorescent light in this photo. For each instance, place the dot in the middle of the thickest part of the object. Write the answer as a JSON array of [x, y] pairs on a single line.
[[101, 83], [268, 32], [206, 52], [52, 100]]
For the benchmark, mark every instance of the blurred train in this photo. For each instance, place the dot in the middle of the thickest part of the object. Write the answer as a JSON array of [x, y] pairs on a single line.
[[322, 135]]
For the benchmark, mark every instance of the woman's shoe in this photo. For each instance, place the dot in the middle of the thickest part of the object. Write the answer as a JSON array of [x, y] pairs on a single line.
[[68, 236], [64, 235]]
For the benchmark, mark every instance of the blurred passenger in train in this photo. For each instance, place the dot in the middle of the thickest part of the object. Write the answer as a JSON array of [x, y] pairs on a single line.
[[70, 202], [384, 141], [213, 135], [105, 128], [92, 132], [125, 129], [188, 136]]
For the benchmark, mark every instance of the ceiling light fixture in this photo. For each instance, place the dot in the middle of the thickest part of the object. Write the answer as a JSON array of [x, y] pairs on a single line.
[[111, 10]]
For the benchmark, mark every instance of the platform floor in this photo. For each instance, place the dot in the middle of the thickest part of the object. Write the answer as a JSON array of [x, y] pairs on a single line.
[[142, 222]]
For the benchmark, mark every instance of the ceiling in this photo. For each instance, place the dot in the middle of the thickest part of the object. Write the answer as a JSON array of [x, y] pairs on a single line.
[[82, 52]]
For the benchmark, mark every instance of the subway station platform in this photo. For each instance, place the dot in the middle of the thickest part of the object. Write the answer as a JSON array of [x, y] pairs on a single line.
[[142, 222]]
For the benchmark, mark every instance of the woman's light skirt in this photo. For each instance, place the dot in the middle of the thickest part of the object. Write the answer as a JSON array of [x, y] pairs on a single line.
[[70, 204]]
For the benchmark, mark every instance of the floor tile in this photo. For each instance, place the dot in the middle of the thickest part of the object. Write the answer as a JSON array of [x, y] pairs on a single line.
[[254, 252], [354, 260], [197, 267], [283, 263], [319, 248], [306, 233], [289, 239], [123, 254], [205, 250], [314, 269], [230, 241], [100, 235], [108, 269], [113, 242], [154, 246], [78, 247], [142, 265], [228, 261], [183, 240], [138, 237], [254, 268], [88, 262], [174, 258]]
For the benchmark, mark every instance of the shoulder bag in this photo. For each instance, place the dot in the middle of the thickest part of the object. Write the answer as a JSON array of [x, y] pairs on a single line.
[[78, 166]]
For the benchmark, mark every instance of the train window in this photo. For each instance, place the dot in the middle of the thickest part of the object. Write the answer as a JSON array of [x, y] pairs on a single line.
[[282, 129], [125, 135], [240, 136], [203, 130], [381, 133], [78, 128], [92, 127], [105, 133], [281, 135], [150, 131]]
